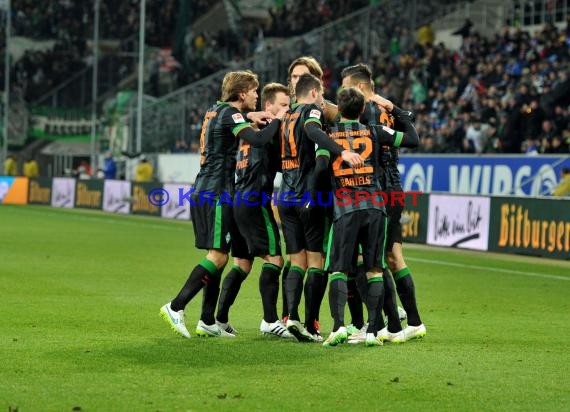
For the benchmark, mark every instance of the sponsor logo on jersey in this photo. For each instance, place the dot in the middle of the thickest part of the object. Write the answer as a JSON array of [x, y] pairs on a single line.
[[238, 118], [387, 129], [315, 113]]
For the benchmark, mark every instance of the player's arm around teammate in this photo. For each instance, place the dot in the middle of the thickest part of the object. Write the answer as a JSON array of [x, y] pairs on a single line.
[[212, 217], [255, 172]]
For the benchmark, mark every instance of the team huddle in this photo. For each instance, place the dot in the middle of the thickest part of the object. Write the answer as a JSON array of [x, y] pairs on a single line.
[[354, 243]]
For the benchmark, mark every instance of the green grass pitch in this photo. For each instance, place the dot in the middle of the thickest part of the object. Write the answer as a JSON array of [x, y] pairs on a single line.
[[80, 330]]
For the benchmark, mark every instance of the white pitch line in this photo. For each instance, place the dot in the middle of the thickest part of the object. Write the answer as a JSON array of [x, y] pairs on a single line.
[[510, 271], [125, 222]]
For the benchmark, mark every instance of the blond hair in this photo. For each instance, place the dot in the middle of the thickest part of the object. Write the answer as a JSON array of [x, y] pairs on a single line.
[[238, 82]]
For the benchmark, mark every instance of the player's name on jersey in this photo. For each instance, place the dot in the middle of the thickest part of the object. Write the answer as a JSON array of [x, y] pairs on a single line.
[[349, 133], [290, 164], [356, 181], [242, 164]]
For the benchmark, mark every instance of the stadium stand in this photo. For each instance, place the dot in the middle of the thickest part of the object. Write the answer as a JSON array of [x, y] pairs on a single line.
[[500, 103], [66, 29], [514, 99], [212, 50]]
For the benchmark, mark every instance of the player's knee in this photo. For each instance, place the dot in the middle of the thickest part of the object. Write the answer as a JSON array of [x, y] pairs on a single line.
[[218, 258], [374, 273], [391, 260], [299, 259], [244, 264], [274, 260], [315, 260], [396, 261]]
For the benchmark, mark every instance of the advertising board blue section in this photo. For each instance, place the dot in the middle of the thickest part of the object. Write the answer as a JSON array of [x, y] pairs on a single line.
[[484, 175]]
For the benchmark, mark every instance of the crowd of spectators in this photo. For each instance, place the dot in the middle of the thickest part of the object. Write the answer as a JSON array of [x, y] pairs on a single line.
[[502, 93], [507, 93]]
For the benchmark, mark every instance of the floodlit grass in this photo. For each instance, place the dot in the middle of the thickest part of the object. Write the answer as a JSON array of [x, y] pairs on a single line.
[[80, 330]]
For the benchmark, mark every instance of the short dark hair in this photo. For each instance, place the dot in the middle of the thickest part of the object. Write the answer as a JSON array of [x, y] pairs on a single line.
[[350, 103], [358, 73], [306, 83], [565, 170]]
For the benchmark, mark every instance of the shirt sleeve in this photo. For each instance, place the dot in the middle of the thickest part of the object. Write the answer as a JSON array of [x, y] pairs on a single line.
[[316, 115], [323, 141], [234, 120], [321, 177], [388, 136], [262, 137], [365, 116]]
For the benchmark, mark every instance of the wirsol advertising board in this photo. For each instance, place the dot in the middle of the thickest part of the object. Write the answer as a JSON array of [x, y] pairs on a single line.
[[481, 175]]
